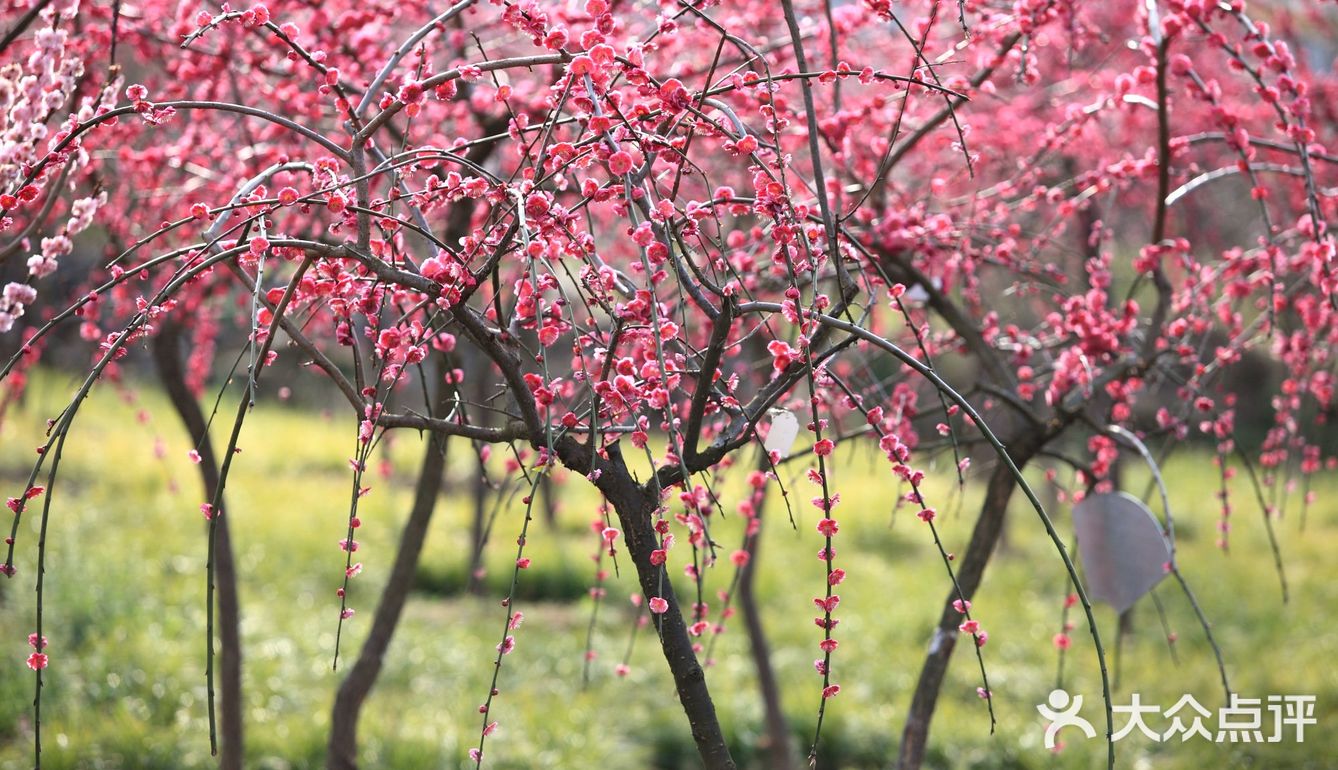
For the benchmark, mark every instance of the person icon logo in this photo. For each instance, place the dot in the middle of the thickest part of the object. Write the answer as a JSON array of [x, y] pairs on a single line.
[[1062, 711]]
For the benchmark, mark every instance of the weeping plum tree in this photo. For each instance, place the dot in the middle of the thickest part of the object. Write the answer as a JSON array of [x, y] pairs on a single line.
[[672, 231]]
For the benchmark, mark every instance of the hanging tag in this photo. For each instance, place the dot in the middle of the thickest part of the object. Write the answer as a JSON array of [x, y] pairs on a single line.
[[1124, 553], [784, 430]]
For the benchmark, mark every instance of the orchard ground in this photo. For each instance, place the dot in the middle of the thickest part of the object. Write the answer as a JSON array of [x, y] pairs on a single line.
[[125, 616]]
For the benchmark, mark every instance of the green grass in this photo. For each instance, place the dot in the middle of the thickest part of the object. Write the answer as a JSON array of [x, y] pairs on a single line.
[[125, 616]]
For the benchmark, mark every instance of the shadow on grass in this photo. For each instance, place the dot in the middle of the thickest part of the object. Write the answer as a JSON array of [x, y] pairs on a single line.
[[559, 581]]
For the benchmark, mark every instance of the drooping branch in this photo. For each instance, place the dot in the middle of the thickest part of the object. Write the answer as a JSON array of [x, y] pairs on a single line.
[[341, 752], [779, 748], [166, 349], [1006, 463], [970, 572]]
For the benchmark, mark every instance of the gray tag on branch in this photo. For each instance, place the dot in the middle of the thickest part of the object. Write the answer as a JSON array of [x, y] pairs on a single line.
[[1124, 552]]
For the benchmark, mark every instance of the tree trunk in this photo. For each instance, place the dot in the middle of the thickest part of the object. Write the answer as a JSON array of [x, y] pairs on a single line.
[[549, 501], [479, 487], [479, 497], [779, 750], [167, 357], [636, 505], [970, 570], [342, 750]]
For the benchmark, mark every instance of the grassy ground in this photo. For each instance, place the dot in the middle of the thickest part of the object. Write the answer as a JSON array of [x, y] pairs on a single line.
[[126, 615]]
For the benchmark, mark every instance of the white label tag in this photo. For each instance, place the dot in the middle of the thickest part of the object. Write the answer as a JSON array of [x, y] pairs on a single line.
[[784, 430]]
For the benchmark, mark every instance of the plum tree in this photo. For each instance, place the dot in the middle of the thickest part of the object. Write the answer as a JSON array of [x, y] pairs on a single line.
[[584, 231]]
